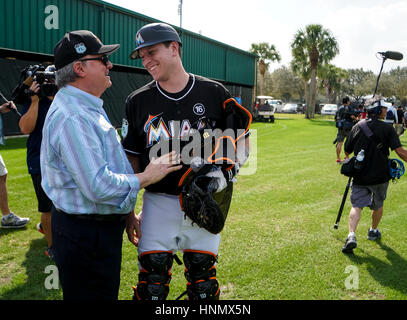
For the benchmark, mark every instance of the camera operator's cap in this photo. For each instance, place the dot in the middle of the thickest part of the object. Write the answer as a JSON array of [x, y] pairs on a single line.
[[373, 107], [77, 44], [152, 34]]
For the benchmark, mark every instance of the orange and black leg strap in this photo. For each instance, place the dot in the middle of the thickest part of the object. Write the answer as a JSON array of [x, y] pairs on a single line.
[[200, 272], [154, 276]]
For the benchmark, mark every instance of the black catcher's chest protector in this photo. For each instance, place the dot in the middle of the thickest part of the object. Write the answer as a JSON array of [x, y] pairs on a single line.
[[198, 199]]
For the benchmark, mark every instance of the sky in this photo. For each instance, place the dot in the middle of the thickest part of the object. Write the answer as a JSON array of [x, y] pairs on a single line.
[[361, 27]]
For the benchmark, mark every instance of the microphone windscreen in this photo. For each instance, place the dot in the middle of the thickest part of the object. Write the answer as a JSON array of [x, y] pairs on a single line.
[[393, 55]]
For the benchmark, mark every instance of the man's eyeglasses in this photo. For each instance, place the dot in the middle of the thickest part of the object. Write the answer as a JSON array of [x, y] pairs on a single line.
[[104, 59]]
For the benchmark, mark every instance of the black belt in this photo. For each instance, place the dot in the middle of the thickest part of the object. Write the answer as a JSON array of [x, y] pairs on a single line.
[[96, 217]]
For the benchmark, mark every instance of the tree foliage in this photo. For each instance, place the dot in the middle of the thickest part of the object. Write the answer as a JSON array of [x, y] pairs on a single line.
[[267, 53], [311, 48], [286, 85]]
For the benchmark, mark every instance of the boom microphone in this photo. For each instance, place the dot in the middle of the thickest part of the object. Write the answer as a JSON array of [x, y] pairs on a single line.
[[393, 55]]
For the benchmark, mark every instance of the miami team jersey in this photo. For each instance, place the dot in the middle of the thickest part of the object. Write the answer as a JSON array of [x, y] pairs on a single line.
[[154, 115]]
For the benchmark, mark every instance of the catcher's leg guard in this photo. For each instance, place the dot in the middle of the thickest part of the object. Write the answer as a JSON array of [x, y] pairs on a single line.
[[201, 275], [155, 276]]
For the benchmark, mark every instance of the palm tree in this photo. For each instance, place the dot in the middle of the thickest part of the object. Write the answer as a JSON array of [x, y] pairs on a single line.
[[332, 78], [317, 46], [267, 53], [301, 68]]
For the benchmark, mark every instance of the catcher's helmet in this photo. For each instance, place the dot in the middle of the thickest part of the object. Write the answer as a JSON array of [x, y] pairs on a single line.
[[396, 168], [152, 34]]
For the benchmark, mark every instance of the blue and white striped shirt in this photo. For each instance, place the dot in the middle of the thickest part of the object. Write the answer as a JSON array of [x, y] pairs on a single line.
[[83, 165]]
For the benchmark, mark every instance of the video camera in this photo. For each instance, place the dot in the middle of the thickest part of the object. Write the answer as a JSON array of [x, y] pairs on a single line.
[[44, 76], [357, 107]]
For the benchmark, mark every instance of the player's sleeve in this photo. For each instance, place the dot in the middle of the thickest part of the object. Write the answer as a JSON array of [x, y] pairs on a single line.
[[130, 136]]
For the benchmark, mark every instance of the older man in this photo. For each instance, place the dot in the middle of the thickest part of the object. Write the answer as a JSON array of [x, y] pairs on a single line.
[[86, 174]]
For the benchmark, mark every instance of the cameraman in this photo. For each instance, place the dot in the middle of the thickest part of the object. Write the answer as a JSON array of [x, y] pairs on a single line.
[[369, 187], [345, 119], [34, 111]]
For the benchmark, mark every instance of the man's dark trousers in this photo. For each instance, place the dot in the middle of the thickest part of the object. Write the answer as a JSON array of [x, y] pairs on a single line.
[[88, 256]]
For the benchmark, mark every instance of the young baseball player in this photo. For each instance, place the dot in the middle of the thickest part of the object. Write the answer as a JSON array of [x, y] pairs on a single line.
[[174, 99]]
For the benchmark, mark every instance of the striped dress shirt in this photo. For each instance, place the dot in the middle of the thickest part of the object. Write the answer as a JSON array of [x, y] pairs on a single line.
[[83, 165]]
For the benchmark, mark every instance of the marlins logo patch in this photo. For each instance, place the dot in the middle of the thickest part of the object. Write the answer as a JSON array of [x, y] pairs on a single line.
[[80, 48]]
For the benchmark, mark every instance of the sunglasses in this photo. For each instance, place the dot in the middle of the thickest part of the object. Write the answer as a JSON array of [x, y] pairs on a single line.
[[104, 59]]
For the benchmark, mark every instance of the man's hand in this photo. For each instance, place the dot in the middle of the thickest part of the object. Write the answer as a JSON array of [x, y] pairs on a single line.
[[158, 168], [35, 88], [133, 228], [6, 107]]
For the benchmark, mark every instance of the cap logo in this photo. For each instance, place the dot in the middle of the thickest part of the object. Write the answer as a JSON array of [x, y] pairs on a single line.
[[139, 39], [80, 48]]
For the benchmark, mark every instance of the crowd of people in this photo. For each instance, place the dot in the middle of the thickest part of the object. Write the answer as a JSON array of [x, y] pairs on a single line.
[[349, 114], [369, 132]]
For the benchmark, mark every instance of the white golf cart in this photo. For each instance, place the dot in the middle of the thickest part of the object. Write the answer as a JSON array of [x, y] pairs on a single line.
[[265, 108]]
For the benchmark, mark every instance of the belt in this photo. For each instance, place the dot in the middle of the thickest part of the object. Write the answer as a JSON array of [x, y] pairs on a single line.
[[96, 217]]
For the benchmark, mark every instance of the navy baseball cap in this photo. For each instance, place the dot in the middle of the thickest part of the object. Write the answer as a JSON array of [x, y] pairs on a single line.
[[154, 33], [77, 44]]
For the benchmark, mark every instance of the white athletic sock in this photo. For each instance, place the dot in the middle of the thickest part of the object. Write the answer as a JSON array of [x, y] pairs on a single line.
[[351, 234]]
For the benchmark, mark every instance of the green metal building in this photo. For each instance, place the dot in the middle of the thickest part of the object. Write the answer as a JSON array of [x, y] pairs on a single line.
[[29, 30]]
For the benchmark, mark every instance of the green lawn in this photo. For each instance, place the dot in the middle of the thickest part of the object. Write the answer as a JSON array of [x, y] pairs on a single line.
[[278, 242]]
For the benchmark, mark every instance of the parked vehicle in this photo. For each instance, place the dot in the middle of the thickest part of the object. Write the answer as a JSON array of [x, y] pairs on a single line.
[[266, 109], [278, 105], [301, 108], [329, 109], [289, 108]]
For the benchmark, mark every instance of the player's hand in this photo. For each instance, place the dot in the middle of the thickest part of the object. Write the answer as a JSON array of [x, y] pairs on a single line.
[[158, 168], [133, 228]]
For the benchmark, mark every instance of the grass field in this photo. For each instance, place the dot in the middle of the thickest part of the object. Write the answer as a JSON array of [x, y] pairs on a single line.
[[278, 242]]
